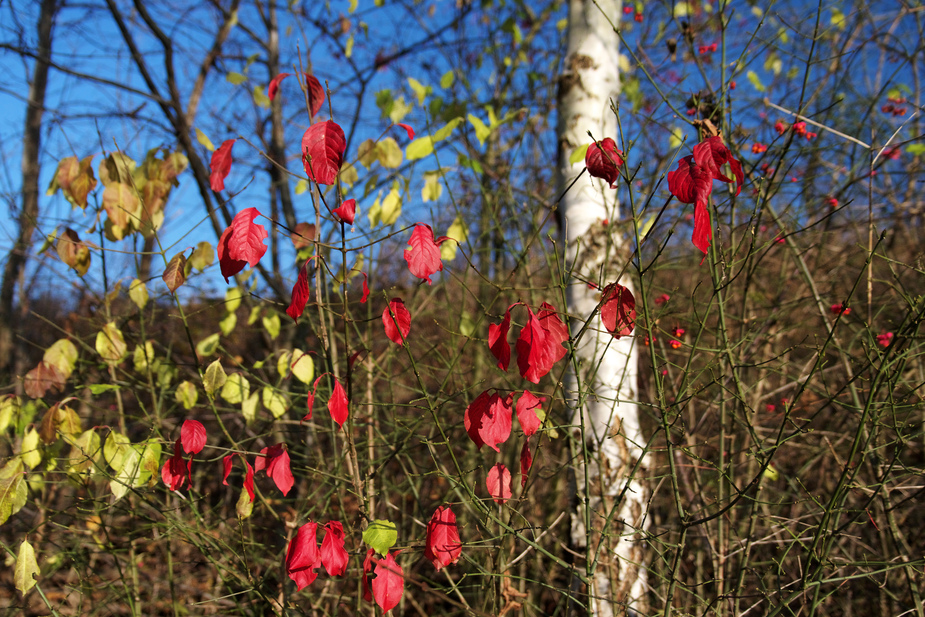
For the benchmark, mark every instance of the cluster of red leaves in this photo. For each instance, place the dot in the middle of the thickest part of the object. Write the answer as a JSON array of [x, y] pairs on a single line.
[[539, 345], [604, 160], [693, 180], [315, 90], [389, 581], [241, 243], [176, 471], [303, 555]]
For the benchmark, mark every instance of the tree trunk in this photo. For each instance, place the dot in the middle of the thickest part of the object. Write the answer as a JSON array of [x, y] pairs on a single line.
[[28, 215], [609, 517]]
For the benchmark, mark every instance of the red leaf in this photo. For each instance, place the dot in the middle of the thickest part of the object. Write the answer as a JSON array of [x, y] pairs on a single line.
[[388, 584], [720, 154], [526, 405], [556, 331], [532, 357], [275, 459], [192, 436], [367, 568], [497, 340], [227, 462], [397, 321], [526, 462], [315, 93], [246, 240], [334, 556], [338, 405], [488, 420], [691, 181], [311, 398], [423, 256], [299, 294], [408, 129], [604, 161], [229, 266], [347, 211], [323, 148], [365, 290], [45, 376], [499, 483], [443, 545], [273, 88], [618, 312], [176, 471], [303, 556], [220, 165], [703, 230]]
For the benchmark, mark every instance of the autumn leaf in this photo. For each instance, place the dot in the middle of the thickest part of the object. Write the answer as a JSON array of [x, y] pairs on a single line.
[[526, 414], [73, 252], [443, 546], [488, 420], [241, 243], [273, 88], [45, 376], [408, 129], [192, 436], [303, 556], [618, 311], [228, 462], [604, 160], [299, 294], [176, 471], [175, 274], [388, 584], [302, 235], [526, 462], [365, 289], [338, 404], [499, 483], [220, 165], [275, 460], [397, 321], [26, 569], [334, 556], [497, 341], [315, 93], [347, 211], [323, 148], [423, 253]]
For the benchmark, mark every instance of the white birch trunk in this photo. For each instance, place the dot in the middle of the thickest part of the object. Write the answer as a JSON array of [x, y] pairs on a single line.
[[602, 395]]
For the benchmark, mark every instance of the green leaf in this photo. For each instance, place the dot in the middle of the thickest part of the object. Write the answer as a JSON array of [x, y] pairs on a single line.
[[228, 323], [386, 211], [63, 355], [400, 109], [26, 569], [214, 378], [916, 149], [447, 80], [85, 450], [202, 256], [447, 129], [187, 394], [275, 401], [138, 293], [30, 453], [302, 366], [271, 324], [419, 148], [235, 79], [420, 90], [207, 346], [433, 188], [260, 98], [102, 388], [578, 154], [114, 449], [149, 467], [838, 18], [756, 81], [466, 325], [481, 131], [204, 140], [233, 299], [236, 389], [110, 344], [13, 491], [249, 407], [457, 234], [128, 473], [389, 153], [380, 536]]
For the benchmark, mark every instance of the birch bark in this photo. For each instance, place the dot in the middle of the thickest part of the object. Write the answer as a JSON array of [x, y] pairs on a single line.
[[609, 518]]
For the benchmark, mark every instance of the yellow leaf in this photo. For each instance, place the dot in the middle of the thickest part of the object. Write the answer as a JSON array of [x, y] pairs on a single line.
[[204, 140], [433, 188], [447, 129], [260, 98], [138, 293], [420, 90], [31, 456], [233, 299], [26, 570], [271, 324], [388, 153], [214, 378], [301, 186], [481, 131], [282, 363], [457, 234], [303, 366], [249, 407], [578, 154], [207, 346], [419, 148], [235, 79], [275, 402], [63, 354], [110, 344], [187, 394], [236, 389]]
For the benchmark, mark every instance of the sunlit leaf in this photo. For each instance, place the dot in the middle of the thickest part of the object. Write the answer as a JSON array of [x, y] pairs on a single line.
[[214, 378], [26, 569], [381, 535]]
